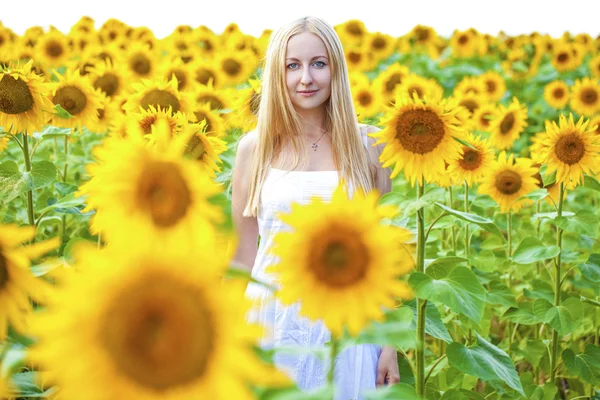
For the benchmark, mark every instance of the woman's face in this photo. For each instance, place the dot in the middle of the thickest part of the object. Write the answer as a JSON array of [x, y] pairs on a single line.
[[308, 73]]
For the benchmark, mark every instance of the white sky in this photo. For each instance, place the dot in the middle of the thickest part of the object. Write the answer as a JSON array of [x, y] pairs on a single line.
[[394, 17]]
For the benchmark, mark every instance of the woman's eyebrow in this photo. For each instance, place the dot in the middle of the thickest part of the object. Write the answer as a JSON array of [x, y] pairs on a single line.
[[295, 59]]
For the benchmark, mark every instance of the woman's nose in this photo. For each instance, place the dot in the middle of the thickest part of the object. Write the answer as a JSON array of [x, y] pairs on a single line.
[[306, 76]]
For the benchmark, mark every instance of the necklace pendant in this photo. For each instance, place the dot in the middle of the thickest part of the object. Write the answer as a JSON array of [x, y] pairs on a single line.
[[314, 146]]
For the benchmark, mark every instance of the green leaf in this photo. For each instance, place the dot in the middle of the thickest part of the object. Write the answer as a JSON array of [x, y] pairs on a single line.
[[485, 361], [461, 394], [434, 326], [547, 179], [523, 314], [591, 269], [67, 202], [546, 392], [501, 294], [394, 392], [532, 250], [27, 384], [448, 261], [395, 330], [583, 221], [485, 260], [561, 318], [591, 183], [484, 223], [537, 194], [11, 182], [61, 112], [428, 198], [50, 132], [293, 393], [458, 288], [585, 365], [42, 174], [13, 359], [465, 143]]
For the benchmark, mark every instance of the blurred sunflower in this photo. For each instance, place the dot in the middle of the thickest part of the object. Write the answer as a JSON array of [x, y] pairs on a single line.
[[157, 93], [595, 122], [235, 67], [215, 126], [571, 149], [556, 94], [359, 58], [207, 42], [585, 96], [245, 107], [140, 123], [471, 102], [594, 65], [205, 149], [183, 73], [509, 179], [206, 73], [341, 262], [483, 116], [466, 44], [422, 35], [106, 114], [77, 96], [473, 162], [159, 192], [113, 31], [17, 283], [563, 58], [357, 78], [4, 143], [140, 61], [381, 45], [414, 84], [217, 99], [507, 126], [24, 103], [470, 84], [352, 31], [495, 87], [366, 103], [419, 137], [385, 83], [52, 49], [156, 322], [109, 78]]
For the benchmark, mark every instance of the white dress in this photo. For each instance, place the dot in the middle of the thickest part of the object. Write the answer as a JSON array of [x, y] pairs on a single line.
[[356, 367]]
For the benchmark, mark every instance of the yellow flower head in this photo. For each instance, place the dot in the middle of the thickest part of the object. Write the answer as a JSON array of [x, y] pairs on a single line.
[[508, 125]]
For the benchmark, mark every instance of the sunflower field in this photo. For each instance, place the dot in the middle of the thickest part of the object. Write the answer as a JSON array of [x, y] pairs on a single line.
[[481, 266]]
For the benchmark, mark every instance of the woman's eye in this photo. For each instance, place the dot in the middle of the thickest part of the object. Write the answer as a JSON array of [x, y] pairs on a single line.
[[292, 65], [320, 64]]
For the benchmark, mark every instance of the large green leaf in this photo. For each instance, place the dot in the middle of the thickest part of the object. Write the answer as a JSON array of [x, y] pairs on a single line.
[[591, 183], [461, 394], [484, 223], [42, 174], [395, 330], [69, 202], [584, 221], [501, 294], [563, 318], [11, 182], [591, 269], [532, 250], [546, 392], [485, 361], [434, 325], [585, 365], [456, 287], [394, 392], [523, 314]]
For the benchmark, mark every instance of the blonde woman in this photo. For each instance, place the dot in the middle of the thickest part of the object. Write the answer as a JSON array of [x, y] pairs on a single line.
[[306, 139]]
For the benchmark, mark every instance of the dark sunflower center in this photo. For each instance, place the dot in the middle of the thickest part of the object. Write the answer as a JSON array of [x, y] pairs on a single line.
[[416, 89], [195, 148], [589, 96], [71, 99], [146, 124], [163, 193], [507, 123], [379, 43], [206, 45], [214, 102], [558, 93], [342, 260], [365, 99], [391, 83], [471, 159], [201, 116], [419, 131], [562, 57], [508, 182], [463, 39], [469, 104], [160, 98], [3, 271], [354, 57], [108, 83], [203, 76], [15, 96], [422, 34], [140, 64], [484, 120], [181, 78], [159, 333], [354, 29], [54, 49], [232, 67], [101, 114], [490, 86], [569, 149]]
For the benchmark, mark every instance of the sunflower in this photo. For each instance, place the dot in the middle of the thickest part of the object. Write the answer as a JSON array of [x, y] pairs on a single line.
[[466, 44], [359, 58], [215, 125], [113, 31], [182, 72], [24, 103], [235, 67], [509, 179], [109, 78], [207, 42], [157, 93], [206, 73], [205, 149], [215, 98], [419, 135], [77, 96], [556, 94], [106, 115], [470, 84], [156, 322], [52, 49], [483, 116], [158, 191], [17, 283], [595, 121], [340, 261], [471, 102], [140, 123], [424, 36], [414, 84], [352, 31], [380, 44], [585, 97], [4, 143], [571, 149], [358, 78], [495, 87], [594, 65], [385, 83], [474, 161], [507, 126], [366, 103], [563, 58], [245, 107], [140, 61]]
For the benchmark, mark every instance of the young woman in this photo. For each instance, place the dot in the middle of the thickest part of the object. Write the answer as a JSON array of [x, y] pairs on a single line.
[[307, 139]]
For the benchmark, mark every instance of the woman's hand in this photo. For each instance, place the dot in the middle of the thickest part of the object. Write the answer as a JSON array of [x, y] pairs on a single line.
[[387, 367]]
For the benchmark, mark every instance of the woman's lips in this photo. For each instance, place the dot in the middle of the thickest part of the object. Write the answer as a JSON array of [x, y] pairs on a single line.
[[307, 93]]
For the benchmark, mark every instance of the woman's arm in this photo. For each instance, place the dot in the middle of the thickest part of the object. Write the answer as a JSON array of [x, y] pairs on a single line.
[[382, 177], [246, 227]]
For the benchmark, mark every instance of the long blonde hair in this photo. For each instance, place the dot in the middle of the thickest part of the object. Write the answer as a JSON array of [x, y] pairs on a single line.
[[279, 123]]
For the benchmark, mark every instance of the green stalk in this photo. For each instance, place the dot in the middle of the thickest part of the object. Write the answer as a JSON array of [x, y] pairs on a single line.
[[334, 350], [467, 224], [30, 215], [421, 304], [453, 230], [557, 282], [509, 234]]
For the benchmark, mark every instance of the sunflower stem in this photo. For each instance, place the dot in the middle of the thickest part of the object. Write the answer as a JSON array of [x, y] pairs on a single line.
[[509, 235], [557, 283], [467, 244], [421, 303], [334, 350], [30, 215], [453, 228], [66, 150]]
